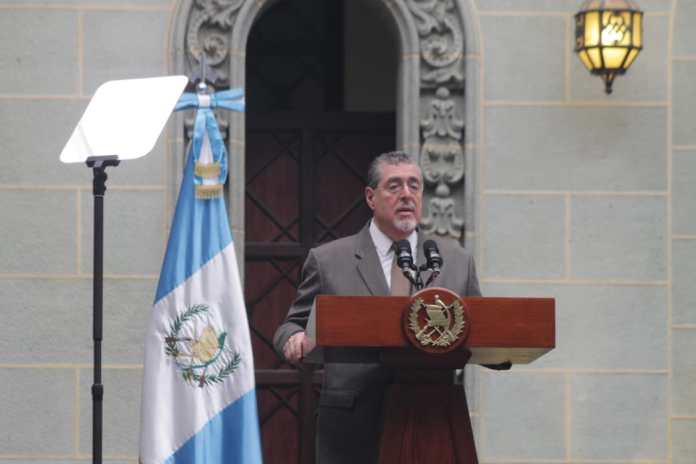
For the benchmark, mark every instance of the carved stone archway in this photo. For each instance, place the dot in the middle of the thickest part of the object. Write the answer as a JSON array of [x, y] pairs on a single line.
[[437, 101], [437, 116]]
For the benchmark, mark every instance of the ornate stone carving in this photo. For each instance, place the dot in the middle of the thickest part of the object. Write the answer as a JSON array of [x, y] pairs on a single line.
[[442, 218], [442, 161], [442, 41], [442, 156], [208, 33]]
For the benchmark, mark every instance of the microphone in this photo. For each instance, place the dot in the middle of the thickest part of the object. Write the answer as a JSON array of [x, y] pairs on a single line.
[[432, 256], [404, 259], [433, 260]]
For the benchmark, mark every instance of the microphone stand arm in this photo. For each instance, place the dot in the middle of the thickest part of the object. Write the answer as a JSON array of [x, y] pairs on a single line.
[[434, 272], [412, 273]]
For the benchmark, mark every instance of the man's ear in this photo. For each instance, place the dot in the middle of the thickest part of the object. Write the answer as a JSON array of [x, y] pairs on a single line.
[[370, 197]]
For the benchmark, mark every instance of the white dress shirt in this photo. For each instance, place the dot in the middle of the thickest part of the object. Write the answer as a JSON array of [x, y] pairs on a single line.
[[383, 245]]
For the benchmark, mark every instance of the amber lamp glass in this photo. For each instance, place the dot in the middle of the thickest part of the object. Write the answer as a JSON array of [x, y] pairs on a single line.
[[608, 37]]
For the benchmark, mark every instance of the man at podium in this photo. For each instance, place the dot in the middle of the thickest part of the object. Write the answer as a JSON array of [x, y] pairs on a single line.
[[352, 396]]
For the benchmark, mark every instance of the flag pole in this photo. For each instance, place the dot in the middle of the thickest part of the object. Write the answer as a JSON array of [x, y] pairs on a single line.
[[98, 165]]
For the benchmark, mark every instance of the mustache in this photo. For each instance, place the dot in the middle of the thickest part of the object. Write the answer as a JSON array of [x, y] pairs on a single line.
[[406, 205]]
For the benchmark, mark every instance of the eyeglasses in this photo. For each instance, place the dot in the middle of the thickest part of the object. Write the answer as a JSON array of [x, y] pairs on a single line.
[[395, 186]]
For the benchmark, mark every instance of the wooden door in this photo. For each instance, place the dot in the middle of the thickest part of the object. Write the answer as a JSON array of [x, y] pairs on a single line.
[[305, 178]]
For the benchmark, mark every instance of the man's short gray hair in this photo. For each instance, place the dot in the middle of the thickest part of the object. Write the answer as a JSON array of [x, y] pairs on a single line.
[[390, 157]]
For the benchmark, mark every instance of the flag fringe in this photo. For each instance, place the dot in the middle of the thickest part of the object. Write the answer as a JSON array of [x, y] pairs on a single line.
[[207, 192]]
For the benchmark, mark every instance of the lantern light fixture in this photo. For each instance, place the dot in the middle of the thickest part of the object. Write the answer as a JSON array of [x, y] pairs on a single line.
[[608, 37]]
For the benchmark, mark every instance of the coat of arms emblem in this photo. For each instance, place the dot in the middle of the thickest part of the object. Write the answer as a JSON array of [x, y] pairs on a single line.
[[436, 320], [203, 356]]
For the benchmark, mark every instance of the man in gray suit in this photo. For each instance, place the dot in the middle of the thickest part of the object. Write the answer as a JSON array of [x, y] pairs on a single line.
[[350, 405]]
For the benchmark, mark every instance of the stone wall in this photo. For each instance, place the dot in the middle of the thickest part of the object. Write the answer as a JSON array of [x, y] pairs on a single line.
[[52, 58], [587, 198], [580, 196]]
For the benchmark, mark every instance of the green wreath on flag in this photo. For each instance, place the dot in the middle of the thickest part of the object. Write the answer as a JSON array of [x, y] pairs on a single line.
[[205, 358]]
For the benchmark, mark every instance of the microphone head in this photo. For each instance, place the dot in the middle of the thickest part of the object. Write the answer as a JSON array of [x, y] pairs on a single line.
[[429, 245], [403, 254], [432, 254], [403, 246]]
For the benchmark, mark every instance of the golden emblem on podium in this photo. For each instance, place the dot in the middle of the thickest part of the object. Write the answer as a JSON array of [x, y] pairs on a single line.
[[436, 320]]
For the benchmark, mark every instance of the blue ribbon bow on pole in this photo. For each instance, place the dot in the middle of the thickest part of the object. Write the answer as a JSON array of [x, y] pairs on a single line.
[[210, 168]]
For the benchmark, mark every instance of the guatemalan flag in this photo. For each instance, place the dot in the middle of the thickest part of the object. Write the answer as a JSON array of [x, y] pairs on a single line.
[[199, 400]]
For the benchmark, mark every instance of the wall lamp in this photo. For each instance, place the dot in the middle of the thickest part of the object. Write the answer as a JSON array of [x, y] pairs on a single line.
[[608, 37]]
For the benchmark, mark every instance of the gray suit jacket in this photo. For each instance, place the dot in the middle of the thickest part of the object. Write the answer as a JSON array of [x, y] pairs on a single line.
[[350, 404]]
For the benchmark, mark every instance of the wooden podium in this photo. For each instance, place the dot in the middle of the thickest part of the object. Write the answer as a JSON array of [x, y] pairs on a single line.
[[426, 418]]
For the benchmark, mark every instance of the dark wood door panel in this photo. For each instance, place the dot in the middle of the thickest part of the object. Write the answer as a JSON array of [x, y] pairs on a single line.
[[272, 204], [305, 180]]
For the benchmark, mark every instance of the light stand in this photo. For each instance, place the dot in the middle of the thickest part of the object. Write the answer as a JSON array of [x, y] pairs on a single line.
[[124, 117], [98, 165]]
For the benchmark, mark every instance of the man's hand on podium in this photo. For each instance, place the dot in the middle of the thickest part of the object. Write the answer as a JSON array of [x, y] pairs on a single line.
[[297, 346]]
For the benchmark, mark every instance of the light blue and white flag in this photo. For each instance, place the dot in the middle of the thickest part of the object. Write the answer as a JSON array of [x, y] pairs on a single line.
[[199, 400]]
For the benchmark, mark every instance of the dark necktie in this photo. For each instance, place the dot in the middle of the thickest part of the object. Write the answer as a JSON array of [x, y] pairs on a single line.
[[400, 286]]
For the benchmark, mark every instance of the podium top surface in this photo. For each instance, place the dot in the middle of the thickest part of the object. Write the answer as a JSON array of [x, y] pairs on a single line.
[[518, 330]]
